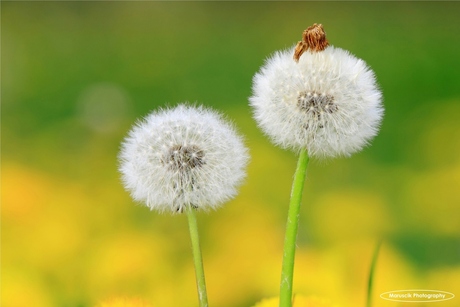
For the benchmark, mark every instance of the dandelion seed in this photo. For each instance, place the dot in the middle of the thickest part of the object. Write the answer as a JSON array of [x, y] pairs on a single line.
[[327, 102], [186, 156]]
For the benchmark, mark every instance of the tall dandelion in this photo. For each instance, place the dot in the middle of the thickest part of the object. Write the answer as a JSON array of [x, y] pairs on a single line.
[[182, 160], [319, 101]]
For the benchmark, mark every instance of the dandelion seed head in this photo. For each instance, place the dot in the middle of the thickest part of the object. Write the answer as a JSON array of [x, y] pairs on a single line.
[[185, 156], [328, 102]]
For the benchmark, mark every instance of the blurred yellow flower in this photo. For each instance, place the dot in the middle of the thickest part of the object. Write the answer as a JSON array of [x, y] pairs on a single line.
[[124, 302], [298, 301]]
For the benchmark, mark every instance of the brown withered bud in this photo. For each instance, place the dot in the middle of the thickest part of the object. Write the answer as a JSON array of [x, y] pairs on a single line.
[[313, 39]]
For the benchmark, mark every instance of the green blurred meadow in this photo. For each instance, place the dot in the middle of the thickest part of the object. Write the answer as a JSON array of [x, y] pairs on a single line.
[[75, 77]]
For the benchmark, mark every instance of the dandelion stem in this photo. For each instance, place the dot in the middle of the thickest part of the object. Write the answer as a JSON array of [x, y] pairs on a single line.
[[371, 274], [199, 271], [287, 272]]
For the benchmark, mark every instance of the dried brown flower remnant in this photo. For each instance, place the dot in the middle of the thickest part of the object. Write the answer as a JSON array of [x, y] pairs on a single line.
[[313, 39]]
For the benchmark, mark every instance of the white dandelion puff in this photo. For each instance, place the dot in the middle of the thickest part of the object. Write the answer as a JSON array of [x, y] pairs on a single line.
[[180, 157], [325, 101]]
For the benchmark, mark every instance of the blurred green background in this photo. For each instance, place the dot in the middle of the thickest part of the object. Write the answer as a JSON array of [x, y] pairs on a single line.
[[77, 75]]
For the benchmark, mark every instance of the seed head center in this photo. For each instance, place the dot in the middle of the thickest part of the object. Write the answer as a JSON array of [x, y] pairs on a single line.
[[317, 105], [184, 158]]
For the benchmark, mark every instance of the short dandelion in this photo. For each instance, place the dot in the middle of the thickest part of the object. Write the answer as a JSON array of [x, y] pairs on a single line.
[[319, 101], [181, 160]]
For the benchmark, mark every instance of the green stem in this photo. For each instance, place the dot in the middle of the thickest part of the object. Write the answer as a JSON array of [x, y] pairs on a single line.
[[287, 272], [199, 271], [371, 273]]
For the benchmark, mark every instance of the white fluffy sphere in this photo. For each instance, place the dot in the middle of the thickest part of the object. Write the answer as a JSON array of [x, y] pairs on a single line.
[[180, 157], [328, 102]]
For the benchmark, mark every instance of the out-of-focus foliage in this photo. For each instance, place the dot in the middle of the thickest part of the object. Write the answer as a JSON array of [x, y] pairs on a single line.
[[76, 75]]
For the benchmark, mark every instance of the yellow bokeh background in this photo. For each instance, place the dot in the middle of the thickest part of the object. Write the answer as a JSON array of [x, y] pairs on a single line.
[[77, 75]]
